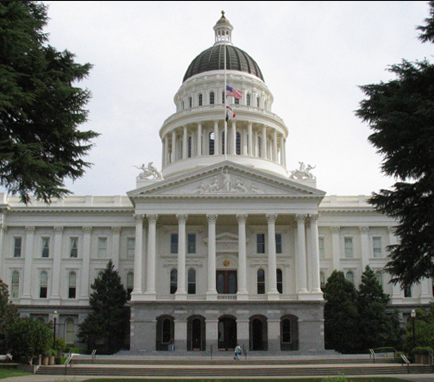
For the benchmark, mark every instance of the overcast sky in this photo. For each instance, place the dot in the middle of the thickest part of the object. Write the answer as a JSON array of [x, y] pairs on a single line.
[[313, 56]]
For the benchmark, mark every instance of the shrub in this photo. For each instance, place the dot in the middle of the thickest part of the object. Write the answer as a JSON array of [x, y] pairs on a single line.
[[422, 350]]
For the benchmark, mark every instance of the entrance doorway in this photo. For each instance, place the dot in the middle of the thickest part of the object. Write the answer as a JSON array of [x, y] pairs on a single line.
[[258, 333], [227, 337], [196, 333], [226, 282]]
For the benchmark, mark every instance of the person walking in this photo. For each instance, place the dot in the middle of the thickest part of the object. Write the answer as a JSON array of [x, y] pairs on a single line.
[[237, 352]]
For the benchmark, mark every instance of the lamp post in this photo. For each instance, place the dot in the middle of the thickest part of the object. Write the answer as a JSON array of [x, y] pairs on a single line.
[[54, 328], [413, 316]]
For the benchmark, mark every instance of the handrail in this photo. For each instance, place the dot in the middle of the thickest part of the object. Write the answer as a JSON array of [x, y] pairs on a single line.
[[68, 362], [406, 361]]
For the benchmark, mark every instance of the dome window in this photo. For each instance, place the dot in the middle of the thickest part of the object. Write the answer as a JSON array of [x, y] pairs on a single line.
[[211, 143], [248, 100], [200, 99], [237, 101], [190, 102], [211, 98]]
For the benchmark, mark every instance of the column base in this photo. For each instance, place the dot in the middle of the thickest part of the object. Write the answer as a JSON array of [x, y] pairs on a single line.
[[211, 296], [150, 296], [181, 296], [273, 295], [243, 296], [310, 296]]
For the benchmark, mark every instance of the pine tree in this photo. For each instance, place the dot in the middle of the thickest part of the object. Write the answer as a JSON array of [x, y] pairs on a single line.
[[106, 327], [401, 114], [340, 314], [8, 315], [40, 109], [376, 327]]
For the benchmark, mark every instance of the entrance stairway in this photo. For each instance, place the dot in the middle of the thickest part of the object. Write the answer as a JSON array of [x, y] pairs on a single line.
[[224, 367]]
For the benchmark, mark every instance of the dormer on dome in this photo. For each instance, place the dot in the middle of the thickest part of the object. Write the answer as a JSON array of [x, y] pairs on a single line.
[[223, 31]]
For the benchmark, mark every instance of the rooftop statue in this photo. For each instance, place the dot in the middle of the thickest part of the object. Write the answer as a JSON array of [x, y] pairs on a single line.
[[150, 172], [303, 173]]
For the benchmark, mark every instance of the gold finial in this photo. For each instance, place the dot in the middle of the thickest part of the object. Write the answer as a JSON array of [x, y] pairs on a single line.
[[223, 13]]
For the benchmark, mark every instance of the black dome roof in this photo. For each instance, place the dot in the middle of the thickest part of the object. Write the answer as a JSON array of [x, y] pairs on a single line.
[[213, 59]]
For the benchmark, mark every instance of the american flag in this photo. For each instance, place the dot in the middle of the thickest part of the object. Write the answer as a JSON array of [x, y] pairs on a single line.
[[234, 92]]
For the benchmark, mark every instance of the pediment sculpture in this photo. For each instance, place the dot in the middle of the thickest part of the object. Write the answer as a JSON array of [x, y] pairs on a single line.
[[225, 184]]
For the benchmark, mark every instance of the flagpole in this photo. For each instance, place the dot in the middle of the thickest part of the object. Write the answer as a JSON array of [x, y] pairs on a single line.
[[225, 109]]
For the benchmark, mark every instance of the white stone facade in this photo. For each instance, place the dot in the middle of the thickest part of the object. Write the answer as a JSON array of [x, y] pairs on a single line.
[[220, 247]]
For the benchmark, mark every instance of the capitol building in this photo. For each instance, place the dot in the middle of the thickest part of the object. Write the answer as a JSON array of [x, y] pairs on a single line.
[[221, 246]]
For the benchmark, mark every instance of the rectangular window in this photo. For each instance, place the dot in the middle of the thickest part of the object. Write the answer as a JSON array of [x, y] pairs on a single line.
[[376, 246], [348, 243], [45, 247], [321, 248], [102, 247], [18, 244], [278, 243], [73, 253], [131, 247], [174, 243], [191, 243], [260, 243]]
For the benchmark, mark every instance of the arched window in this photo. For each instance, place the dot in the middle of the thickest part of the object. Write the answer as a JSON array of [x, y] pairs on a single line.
[[238, 144], [350, 276], [183, 105], [223, 142], [15, 284], [237, 101], [259, 146], [70, 331], [189, 146], [200, 99], [223, 97], [130, 284], [289, 333], [248, 99], [72, 285], [211, 98], [257, 102], [166, 331], [173, 281], [279, 279], [43, 285], [322, 279], [191, 281], [261, 281], [211, 143], [190, 102]]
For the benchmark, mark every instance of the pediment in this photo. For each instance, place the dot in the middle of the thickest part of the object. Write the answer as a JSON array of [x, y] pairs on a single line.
[[226, 180]]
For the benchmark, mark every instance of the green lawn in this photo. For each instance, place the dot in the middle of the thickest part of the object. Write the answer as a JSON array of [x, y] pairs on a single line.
[[362, 379], [7, 372]]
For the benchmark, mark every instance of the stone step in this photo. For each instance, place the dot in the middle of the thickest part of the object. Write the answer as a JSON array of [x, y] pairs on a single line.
[[236, 370]]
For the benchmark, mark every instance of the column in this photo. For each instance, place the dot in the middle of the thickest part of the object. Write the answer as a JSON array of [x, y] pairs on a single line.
[[138, 258], [57, 255], [336, 248], [250, 141], [180, 334], [244, 142], [242, 293], [199, 139], [264, 142], [28, 263], [301, 254], [234, 138], [166, 151], [216, 138], [273, 293], [211, 294], [314, 260], [364, 246], [181, 293], [275, 159], [184, 142], [173, 154], [212, 332], [116, 234], [2, 234], [152, 246], [397, 292], [84, 290]]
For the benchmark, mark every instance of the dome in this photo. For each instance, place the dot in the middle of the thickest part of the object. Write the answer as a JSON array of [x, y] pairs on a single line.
[[213, 59]]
